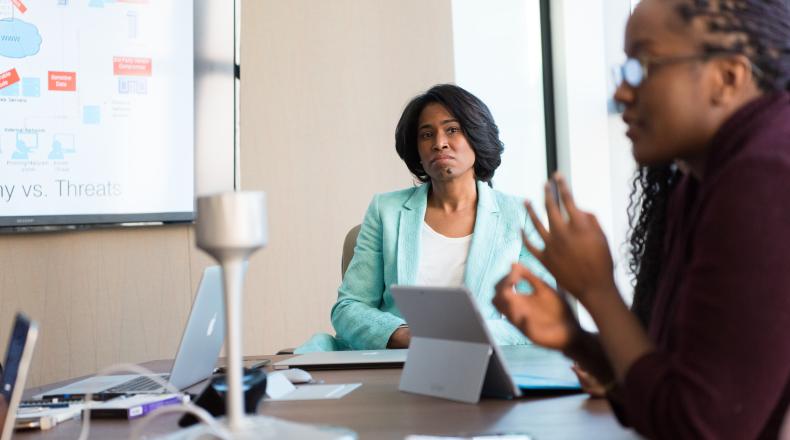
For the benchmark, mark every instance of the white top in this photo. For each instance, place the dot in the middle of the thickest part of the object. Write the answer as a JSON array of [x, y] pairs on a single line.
[[442, 259]]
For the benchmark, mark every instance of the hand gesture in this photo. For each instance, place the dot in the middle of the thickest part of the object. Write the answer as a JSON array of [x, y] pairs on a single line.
[[576, 251], [543, 316]]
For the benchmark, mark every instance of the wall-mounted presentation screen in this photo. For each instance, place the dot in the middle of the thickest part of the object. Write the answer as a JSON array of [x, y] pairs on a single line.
[[96, 111]]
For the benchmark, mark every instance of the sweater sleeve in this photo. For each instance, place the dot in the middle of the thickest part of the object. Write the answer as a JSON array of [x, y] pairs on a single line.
[[356, 315], [730, 359]]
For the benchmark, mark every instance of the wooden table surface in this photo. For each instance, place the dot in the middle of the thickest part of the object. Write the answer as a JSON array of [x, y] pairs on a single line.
[[377, 410]]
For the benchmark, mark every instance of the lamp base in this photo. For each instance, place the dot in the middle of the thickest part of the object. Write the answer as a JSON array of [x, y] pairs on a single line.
[[263, 427]]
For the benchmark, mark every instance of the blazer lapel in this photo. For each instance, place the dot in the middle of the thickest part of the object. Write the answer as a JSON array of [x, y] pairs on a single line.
[[410, 234], [484, 238]]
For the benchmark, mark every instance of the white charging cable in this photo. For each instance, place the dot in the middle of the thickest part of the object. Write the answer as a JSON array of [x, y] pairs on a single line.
[[202, 415]]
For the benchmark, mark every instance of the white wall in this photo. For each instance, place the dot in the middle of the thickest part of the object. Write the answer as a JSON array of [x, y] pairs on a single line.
[[498, 58], [593, 151]]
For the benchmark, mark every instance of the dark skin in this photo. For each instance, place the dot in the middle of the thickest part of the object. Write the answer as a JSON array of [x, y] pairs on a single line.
[[448, 159], [672, 115]]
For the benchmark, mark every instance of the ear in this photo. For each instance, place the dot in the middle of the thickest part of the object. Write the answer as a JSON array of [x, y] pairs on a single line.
[[733, 76]]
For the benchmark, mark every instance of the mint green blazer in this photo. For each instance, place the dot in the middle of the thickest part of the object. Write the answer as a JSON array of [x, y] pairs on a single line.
[[388, 252]]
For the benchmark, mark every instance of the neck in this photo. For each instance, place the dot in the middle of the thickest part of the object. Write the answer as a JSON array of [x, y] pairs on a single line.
[[453, 195]]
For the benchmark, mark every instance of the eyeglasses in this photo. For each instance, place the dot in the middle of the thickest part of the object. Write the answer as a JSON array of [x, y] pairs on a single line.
[[634, 71]]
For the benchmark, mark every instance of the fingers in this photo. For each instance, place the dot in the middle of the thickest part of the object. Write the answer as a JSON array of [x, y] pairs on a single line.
[[531, 247], [544, 234], [526, 274], [552, 209], [565, 195], [588, 382], [505, 290]]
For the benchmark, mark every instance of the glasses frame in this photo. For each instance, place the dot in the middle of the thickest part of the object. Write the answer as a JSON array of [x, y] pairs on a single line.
[[621, 73]]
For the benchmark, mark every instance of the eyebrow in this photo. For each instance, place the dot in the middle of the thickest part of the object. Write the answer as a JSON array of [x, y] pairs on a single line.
[[445, 122]]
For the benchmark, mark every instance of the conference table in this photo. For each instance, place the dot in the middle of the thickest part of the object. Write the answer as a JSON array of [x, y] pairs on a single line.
[[377, 410]]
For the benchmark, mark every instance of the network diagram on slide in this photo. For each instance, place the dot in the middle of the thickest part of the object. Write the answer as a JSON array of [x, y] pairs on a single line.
[[87, 93]]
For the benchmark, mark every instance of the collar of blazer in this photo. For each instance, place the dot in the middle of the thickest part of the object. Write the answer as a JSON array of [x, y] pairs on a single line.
[[484, 239]]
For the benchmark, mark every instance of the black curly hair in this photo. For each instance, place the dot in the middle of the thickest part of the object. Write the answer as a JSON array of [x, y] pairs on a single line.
[[476, 122], [647, 206], [758, 29]]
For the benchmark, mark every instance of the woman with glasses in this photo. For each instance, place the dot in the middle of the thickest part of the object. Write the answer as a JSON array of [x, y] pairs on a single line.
[[706, 88]]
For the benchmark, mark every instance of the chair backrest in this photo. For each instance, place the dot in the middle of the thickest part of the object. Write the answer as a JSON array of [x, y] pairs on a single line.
[[348, 249]]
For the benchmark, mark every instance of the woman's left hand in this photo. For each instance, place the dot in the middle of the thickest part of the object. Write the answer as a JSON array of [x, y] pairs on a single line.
[[543, 316], [576, 251]]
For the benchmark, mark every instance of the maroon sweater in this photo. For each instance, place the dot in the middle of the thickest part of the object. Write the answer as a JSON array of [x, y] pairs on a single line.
[[721, 317]]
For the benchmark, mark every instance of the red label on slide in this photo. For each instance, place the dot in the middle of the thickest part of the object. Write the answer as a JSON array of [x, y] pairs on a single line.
[[19, 5], [8, 78], [63, 81], [128, 66]]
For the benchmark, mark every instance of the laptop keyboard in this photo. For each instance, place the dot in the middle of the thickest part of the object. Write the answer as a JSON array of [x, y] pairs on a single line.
[[138, 384]]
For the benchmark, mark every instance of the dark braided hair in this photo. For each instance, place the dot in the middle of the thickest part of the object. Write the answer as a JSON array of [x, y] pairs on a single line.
[[758, 29]]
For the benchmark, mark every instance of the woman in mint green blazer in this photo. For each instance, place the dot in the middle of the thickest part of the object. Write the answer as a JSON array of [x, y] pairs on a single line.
[[452, 229]]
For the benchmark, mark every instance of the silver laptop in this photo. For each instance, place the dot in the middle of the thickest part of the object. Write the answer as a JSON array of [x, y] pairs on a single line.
[[17, 363], [452, 354], [340, 360], [197, 354]]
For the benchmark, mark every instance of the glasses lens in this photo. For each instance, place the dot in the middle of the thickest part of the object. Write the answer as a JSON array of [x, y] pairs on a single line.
[[633, 73]]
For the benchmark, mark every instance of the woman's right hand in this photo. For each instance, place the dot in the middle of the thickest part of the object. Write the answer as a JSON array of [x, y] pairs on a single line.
[[543, 316], [400, 338]]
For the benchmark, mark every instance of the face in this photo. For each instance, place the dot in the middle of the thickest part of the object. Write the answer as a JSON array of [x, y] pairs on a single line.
[[671, 115], [445, 153]]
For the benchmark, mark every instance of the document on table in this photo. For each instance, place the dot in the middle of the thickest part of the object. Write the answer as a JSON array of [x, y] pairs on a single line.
[[318, 392], [279, 388]]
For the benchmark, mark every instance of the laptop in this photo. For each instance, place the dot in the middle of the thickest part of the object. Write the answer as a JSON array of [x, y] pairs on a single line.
[[346, 360], [197, 354], [18, 356], [452, 354]]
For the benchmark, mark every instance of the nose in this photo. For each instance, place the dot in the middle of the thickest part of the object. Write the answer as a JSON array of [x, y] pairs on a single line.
[[624, 94], [440, 142]]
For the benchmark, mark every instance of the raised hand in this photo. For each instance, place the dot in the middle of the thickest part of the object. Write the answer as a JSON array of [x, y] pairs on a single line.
[[576, 251]]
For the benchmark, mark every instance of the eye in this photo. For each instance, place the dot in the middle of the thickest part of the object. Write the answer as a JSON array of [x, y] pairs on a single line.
[[453, 130], [426, 135]]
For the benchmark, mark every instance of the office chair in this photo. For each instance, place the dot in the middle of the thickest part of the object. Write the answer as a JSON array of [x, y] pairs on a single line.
[[348, 249], [348, 253]]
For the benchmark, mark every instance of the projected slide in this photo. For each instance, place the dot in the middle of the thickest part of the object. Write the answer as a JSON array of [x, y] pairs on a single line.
[[96, 107]]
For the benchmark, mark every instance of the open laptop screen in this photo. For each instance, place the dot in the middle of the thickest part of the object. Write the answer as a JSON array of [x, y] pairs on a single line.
[[17, 361]]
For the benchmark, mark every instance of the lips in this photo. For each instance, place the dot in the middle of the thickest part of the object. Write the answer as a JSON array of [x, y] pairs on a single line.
[[633, 125], [441, 158]]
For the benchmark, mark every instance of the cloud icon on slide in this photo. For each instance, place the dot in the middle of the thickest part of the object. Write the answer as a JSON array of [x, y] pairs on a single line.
[[18, 39]]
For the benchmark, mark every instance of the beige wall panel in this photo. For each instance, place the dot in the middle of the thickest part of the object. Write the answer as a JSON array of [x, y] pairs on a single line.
[[101, 296], [323, 85]]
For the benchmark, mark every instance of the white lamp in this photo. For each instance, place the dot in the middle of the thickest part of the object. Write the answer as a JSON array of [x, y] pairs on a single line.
[[230, 227]]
